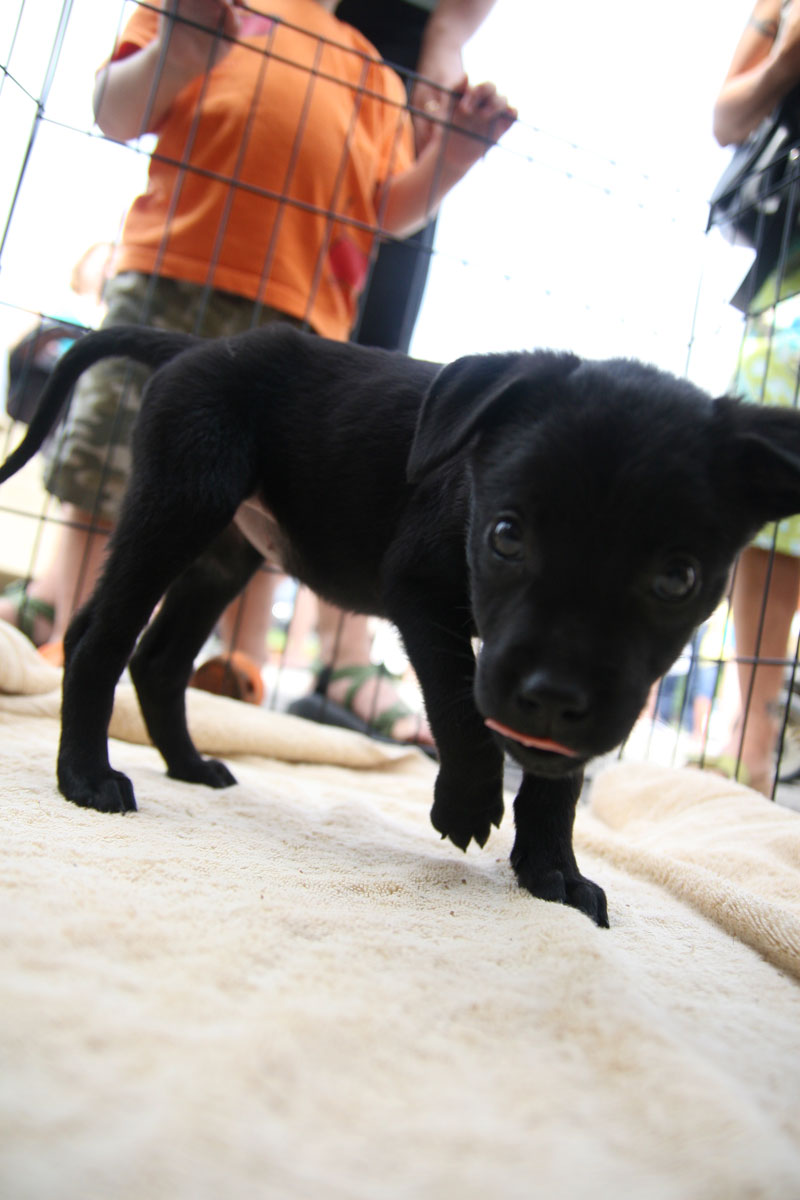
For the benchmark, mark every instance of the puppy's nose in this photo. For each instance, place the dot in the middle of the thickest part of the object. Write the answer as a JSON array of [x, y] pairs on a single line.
[[552, 701]]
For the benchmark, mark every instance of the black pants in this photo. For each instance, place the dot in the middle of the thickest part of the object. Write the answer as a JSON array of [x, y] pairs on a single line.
[[391, 301]]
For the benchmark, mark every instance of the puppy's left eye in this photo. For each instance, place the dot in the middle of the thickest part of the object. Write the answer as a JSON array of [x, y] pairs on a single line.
[[676, 581], [505, 538]]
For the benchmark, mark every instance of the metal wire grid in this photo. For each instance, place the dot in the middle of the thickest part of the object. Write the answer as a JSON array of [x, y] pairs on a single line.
[[562, 158], [334, 213]]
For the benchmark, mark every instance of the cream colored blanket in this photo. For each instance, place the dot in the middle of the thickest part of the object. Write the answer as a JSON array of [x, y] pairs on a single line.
[[293, 989]]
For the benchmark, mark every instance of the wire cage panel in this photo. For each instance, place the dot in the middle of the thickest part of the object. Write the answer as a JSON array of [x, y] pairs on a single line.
[[582, 243]]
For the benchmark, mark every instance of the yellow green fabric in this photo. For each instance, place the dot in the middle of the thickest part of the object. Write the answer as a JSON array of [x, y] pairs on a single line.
[[768, 371]]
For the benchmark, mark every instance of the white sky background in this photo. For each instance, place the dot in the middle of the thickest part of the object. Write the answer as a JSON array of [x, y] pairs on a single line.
[[566, 249], [583, 231]]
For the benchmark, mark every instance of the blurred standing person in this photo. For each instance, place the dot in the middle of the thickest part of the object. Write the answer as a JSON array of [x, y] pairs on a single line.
[[764, 69]]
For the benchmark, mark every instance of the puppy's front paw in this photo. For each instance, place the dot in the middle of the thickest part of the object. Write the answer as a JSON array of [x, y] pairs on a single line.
[[208, 771], [108, 791], [461, 817], [575, 890]]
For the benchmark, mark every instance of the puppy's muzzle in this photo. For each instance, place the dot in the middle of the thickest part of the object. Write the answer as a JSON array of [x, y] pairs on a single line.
[[552, 705], [542, 716], [539, 703]]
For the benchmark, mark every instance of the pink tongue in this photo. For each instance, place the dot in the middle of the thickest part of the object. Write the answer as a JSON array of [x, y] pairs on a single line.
[[535, 743]]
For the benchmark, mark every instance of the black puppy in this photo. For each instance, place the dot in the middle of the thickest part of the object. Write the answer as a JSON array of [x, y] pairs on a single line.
[[580, 518]]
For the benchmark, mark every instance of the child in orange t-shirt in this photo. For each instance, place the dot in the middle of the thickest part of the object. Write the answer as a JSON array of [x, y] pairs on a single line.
[[283, 148], [274, 169]]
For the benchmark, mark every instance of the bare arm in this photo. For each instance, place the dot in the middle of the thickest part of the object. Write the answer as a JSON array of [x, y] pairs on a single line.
[[765, 66], [479, 118], [132, 95], [449, 27]]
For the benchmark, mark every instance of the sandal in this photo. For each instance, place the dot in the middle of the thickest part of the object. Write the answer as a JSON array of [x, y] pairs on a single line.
[[729, 767], [27, 608], [233, 675], [318, 706]]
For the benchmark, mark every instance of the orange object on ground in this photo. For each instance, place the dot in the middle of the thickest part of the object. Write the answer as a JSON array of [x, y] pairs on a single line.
[[53, 652], [234, 675]]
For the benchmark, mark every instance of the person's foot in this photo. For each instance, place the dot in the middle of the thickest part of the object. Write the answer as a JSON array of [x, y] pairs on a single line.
[[31, 614], [364, 697], [731, 767], [371, 693], [750, 759]]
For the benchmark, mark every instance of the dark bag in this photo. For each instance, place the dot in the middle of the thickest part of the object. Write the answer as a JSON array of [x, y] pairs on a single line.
[[31, 361], [755, 203]]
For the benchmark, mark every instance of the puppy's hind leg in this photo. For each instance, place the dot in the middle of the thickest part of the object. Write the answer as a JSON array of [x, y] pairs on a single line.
[[163, 661], [160, 532], [84, 774]]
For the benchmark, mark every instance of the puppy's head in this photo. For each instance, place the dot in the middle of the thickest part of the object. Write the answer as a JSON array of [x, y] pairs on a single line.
[[608, 503]]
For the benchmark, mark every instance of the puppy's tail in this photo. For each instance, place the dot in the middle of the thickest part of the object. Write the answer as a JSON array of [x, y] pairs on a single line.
[[150, 346]]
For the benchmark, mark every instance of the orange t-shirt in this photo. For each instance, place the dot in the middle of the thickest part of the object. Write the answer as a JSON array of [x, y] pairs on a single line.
[[263, 179]]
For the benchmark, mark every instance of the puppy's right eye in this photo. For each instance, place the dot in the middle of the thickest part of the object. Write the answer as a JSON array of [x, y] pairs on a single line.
[[678, 580], [505, 538]]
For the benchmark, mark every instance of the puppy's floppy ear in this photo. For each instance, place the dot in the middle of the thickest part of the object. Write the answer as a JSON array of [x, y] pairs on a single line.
[[766, 459], [470, 393]]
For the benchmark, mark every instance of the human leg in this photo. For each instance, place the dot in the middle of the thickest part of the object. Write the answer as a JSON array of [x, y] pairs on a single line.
[[67, 580], [765, 597], [767, 578], [88, 465], [245, 623], [243, 628], [86, 468], [300, 648], [72, 572], [345, 643]]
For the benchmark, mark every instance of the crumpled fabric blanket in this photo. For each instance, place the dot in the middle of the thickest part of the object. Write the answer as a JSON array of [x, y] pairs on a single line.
[[29, 685], [294, 988]]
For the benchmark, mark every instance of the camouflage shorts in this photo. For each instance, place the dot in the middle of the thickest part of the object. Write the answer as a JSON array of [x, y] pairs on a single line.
[[89, 462]]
